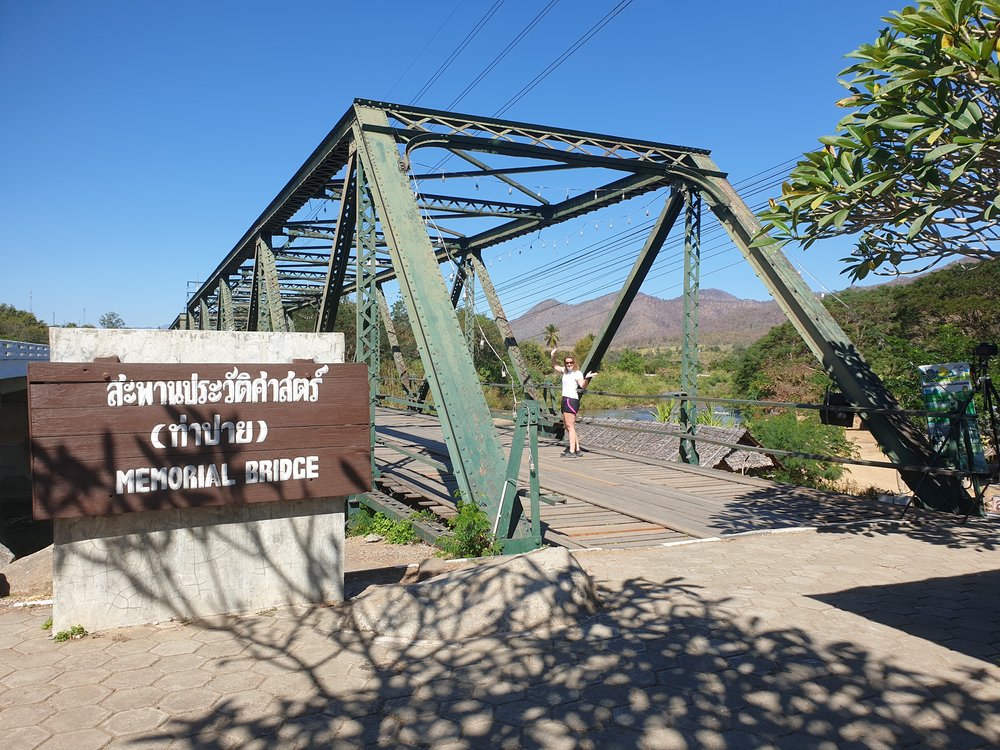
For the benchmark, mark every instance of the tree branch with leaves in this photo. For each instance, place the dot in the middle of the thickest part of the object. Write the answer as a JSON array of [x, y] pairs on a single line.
[[913, 170]]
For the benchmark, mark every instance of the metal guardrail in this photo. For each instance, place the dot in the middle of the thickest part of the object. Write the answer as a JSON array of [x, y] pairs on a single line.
[[15, 356], [17, 350]]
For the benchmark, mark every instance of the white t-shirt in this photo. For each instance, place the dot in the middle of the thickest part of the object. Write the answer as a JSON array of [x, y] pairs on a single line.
[[571, 383]]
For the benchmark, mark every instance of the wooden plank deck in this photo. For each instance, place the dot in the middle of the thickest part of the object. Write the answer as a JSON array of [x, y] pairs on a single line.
[[607, 499]]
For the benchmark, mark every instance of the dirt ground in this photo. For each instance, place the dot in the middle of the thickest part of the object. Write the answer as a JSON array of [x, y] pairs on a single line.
[[859, 478], [863, 477]]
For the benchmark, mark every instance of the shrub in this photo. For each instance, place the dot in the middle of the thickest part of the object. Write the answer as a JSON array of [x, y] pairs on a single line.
[[785, 431], [471, 535]]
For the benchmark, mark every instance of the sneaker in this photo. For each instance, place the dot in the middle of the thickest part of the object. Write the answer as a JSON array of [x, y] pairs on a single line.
[[566, 452], [576, 455]]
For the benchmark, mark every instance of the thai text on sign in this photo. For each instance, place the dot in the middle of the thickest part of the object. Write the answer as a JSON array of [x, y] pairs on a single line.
[[110, 439]]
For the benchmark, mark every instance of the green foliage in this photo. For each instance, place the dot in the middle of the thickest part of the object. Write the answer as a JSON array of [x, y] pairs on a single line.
[[551, 336], [939, 317], [786, 432], [708, 416], [111, 320], [471, 535], [20, 325], [47, 625], [363, 522], [539, 363], [911, 171], [665, 410], [631, 361], [347, 321], [74, 633], [614, 380], [304, 319], [582, 348]]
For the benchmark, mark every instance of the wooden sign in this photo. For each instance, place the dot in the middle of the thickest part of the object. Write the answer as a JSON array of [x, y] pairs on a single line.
[[116, 438]]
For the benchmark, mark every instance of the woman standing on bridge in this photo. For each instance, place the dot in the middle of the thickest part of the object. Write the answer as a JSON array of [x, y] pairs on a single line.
[[573, 382]]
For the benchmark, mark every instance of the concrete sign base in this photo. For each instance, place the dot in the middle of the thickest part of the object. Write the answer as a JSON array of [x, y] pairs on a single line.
[[146, 567]]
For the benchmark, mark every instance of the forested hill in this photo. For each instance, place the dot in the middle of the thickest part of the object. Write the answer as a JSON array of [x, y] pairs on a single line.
[[938, 317]]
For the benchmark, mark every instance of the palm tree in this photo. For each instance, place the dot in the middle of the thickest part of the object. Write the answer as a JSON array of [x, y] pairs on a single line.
[[551, 336]]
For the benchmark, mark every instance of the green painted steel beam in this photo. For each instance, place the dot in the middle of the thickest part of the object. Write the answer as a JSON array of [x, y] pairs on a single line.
[[204, 316], [340, 252], [390, 332], [253, 305], [469, 294], [592, 200], [367, 348], [640, 268], [832, 347], [688, 448], [477, 457], [275, 311], [517, 360], [225, 320]]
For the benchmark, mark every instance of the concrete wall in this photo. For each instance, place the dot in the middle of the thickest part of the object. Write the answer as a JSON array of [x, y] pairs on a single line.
[[147, 567]]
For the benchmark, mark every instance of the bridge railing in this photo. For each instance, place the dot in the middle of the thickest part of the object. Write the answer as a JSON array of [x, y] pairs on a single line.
[[945, 451], [15, 355]]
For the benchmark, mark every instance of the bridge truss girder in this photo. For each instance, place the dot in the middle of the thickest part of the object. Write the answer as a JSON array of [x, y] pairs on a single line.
[[433, 218]]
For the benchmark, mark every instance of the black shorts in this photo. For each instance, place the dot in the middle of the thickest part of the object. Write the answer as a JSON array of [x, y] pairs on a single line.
[[570, 405]]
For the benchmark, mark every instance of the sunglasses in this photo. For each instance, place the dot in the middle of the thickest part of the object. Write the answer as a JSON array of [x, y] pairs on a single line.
[[569, 362]]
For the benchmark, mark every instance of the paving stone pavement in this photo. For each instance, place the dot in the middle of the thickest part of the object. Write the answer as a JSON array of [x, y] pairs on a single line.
[[873, 637]]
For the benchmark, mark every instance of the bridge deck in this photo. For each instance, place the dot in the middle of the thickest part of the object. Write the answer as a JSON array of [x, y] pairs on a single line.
[[608, 499]]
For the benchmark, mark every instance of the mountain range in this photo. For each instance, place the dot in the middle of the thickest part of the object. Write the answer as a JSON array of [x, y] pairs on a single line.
[[723, 319]]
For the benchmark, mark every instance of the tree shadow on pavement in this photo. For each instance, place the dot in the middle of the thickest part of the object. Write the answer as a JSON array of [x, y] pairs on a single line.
[[662, 665]]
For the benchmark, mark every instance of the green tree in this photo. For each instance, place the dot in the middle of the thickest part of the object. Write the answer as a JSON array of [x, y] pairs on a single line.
[[787, 432], [582, 348], [21, 325], [912, 170], [631, 361], [539, 363], [551, 336], [111, 320]]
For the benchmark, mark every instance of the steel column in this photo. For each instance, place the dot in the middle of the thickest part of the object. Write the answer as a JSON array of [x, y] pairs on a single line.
[[269, 276], [470, 306], [831, 346], [224, 320], [390, 332], [689, 347], [367, 315], [476, 455], [657, 236], [204, 316], [254, 308], [340, 251], [500, 318]]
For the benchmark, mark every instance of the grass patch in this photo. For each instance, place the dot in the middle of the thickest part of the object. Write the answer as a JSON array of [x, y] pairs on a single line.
[[364, 521], [75, 633]]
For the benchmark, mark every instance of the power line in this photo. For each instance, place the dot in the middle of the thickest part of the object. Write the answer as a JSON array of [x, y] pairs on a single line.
[[503, 53], [458, 50], [566, 54], [421, 53]]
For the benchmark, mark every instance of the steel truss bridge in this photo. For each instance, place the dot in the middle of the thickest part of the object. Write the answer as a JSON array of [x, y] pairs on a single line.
[[361, 215]]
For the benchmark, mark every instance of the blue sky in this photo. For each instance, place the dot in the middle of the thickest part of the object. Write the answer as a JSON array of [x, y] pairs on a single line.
[[140, 140]]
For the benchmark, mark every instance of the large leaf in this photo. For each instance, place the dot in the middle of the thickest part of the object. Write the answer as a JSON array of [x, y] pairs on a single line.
[[902, 122]]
